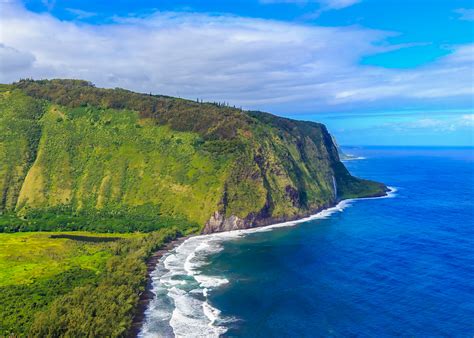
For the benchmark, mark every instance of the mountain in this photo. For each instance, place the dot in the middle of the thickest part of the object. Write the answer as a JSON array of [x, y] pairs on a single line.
[[74, 151]]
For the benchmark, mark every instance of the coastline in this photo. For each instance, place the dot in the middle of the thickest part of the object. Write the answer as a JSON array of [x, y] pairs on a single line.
[[262, 222], [320, 213], [147, 296]]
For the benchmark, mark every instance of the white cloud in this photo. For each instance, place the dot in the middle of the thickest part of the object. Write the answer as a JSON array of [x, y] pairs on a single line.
[[286, 1], [465, 13], [49, 4], [80, 14], [326, 4], [467, 120], [12, 60], [338, 4], [257, 64], [446, 124]]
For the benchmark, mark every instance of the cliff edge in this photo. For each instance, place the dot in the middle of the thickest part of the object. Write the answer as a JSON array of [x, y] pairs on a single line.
[[70, 148]]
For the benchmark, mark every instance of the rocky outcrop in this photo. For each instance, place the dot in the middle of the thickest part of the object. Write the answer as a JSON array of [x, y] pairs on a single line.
[[219, 223]]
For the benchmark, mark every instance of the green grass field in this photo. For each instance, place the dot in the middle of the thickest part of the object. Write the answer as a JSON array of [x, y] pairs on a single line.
[[28, 256], [45, 281]]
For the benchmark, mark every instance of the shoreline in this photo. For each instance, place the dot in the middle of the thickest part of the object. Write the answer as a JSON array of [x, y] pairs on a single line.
[[147, 295], [152, 262], [320, 213]]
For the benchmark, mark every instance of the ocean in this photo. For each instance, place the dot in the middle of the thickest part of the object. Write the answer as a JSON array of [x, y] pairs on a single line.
[[396, 266]]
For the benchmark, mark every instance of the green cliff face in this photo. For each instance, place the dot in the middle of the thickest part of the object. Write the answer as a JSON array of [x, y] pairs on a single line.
[[70, 148]]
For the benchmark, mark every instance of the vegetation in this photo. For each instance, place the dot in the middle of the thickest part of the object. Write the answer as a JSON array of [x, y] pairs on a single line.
[[35, 268], [27, 257], [65, 219], [112, 165], [209, 120], [70, 287], [19, 136], [113, 160]]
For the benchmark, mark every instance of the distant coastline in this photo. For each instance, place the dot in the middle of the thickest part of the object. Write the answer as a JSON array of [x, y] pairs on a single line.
[[352, 158]]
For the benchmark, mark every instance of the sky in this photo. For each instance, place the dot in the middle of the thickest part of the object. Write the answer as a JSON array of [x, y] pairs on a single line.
[[376, 72]]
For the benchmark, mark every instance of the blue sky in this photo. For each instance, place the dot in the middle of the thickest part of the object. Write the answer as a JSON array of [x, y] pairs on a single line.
[[375, 71]]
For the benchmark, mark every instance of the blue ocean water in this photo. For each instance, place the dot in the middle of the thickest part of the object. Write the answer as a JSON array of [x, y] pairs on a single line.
[[401, 266]]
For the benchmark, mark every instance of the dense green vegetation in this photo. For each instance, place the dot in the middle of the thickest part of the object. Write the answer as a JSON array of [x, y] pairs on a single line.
[[35, 269], [209, 120], [77, 157], [70, 287], [119, 164], [19, 136], [66, 219], [21, 303]]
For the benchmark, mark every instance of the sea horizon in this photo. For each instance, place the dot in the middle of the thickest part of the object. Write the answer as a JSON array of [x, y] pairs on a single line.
[[196, 267], [257, 168]]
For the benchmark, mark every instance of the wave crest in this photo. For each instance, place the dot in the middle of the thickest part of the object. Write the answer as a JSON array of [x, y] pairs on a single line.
[[181, 307]]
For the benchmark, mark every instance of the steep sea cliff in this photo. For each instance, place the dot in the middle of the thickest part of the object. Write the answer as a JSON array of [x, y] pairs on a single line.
[[130, 161], [398, 266]]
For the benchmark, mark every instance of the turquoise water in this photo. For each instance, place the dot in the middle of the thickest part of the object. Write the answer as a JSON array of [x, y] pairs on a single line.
[[401, 266]]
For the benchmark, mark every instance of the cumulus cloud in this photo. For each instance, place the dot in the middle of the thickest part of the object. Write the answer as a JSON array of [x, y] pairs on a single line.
[[257, 64]]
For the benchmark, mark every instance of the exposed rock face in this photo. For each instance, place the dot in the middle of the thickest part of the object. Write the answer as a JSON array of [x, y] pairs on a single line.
[[219, 223]]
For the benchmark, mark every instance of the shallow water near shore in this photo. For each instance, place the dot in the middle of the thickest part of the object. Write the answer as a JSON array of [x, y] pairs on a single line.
[[372, 267]]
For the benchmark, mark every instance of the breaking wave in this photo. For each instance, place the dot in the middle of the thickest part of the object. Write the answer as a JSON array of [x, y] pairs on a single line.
[[181, 307]]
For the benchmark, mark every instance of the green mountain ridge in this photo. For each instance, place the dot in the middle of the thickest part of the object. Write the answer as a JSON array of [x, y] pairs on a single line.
[[69, 148]]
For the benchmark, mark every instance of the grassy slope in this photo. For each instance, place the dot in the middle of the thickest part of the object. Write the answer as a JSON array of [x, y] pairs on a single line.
[[124, 155], [106, 159], [19, 137]]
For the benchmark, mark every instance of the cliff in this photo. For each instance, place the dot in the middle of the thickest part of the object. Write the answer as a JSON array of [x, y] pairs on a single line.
[[70, 148]]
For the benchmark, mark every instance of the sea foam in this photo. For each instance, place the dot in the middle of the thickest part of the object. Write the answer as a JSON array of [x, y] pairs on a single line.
[[180, 307]]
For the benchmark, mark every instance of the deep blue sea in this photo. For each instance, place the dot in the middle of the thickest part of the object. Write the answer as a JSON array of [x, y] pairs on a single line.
[[400, 266]]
